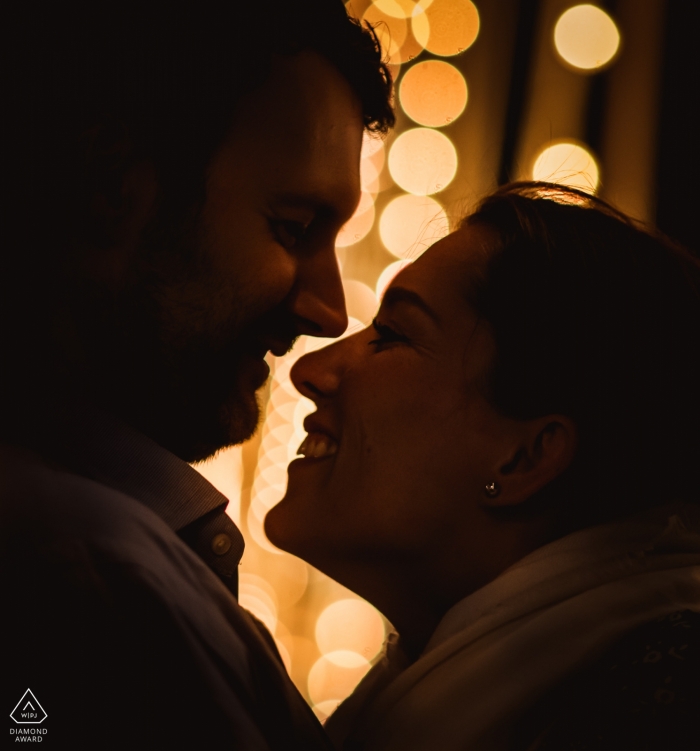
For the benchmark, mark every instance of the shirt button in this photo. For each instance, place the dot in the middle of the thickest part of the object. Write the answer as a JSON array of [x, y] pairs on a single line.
[[221, 544]]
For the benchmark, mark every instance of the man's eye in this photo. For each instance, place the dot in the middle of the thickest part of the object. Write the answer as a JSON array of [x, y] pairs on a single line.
[[289, 233], [387, 335]]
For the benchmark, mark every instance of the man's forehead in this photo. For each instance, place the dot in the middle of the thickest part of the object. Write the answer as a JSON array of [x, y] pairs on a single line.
[[304, 103], [298, 138]]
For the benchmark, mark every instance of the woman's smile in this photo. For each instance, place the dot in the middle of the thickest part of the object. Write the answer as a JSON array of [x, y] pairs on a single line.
[[317, 446], [401, 426]]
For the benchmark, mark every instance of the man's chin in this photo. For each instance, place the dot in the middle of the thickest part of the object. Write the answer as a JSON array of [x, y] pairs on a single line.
[[236, 424], [200, 431]]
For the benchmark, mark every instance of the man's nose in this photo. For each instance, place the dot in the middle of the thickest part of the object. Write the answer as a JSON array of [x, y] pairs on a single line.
[[318, 301]]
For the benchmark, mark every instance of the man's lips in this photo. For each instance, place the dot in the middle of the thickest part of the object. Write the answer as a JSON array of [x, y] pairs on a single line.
[[278, 347]]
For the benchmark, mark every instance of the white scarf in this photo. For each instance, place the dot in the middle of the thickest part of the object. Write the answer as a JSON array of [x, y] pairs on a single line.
[[500, 649]]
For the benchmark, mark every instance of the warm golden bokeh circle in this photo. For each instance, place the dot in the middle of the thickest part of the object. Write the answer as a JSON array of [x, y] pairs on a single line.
[[334, 675], [258, 596], [586, 37], [360, 301], [422, 161], [409, 224], [397, 8], [351, 625], [371, 144], [388, 275], [391, 32], [567, 163], [445, 27], [433, 93], [358, 225], [291, 577], [324, 709], [369, 176]]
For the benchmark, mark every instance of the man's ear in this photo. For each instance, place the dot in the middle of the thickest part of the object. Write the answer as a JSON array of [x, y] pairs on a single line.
[[121, 191], [545, 448]]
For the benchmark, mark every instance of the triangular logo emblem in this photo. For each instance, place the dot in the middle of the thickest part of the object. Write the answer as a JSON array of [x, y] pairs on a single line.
[[28, 710]]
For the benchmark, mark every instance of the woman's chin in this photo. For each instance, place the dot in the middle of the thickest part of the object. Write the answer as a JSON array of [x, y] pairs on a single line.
[[273, 529], [292, 529], [280, 527]]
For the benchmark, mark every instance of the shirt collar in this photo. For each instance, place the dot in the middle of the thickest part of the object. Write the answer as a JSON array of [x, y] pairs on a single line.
[[100, 446]]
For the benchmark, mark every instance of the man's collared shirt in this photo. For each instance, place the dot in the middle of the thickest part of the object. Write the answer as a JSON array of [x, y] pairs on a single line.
[[123, 633], [101, 447]]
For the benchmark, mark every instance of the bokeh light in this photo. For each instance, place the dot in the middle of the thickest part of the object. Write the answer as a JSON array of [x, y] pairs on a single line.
[[371, 164], [388, 275], [391, 31], [371, 144], [394, 31], [422, 161], [398, 8], [334, 676], [350, 625], [323, 710], [567, 163], [291, 576], [445, 27], [359, 224], [302, 652], [360, 300], [369, 176], [410, 224], [258, 596], [433, 93], [586, 37]]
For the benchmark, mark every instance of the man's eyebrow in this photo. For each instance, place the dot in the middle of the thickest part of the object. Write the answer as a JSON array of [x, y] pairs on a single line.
[[395, 295]]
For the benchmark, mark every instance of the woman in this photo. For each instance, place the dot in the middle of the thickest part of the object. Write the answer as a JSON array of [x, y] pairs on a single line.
[[506, 465]]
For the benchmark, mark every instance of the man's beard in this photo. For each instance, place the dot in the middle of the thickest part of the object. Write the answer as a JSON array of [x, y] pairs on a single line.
[[174, 353]]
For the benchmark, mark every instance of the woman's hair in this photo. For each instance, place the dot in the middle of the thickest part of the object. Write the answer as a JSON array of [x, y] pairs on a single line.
[[598, 319]]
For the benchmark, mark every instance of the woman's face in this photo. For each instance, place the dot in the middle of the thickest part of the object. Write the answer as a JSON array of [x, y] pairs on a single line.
[[403, 440]]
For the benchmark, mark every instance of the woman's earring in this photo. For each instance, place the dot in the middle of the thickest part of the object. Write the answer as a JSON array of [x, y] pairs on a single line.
[[492, 489]]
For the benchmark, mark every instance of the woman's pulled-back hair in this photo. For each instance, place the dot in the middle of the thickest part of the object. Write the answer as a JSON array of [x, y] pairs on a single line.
[[597, 319]]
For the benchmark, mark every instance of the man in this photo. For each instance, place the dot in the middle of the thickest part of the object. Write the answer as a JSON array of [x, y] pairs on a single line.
[[174, 183]]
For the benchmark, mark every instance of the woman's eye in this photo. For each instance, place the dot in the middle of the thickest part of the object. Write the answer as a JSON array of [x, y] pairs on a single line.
[[289, 233], [386, 335]]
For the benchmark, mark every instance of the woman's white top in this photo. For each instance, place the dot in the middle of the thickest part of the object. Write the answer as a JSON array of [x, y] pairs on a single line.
[[509, 643]]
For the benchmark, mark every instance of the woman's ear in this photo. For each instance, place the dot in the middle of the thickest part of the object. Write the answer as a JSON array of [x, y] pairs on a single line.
[[544, 449]]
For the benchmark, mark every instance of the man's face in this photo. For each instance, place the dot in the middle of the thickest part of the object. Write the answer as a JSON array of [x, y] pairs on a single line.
[[194, 322]]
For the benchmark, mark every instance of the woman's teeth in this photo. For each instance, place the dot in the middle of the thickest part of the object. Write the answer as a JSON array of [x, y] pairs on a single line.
[[317, 445]]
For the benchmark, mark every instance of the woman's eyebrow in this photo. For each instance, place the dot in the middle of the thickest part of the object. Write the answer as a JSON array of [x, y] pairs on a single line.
[[396, 295]]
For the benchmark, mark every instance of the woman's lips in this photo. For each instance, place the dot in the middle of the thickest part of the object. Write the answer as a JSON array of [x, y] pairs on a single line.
[[317, 446]]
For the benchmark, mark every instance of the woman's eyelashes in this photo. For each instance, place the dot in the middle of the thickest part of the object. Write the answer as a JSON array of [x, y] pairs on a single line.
[[288, 232], [387, 335]]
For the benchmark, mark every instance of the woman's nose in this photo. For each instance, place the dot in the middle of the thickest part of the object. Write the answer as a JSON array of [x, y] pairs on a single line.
[[317, 375], [318, 302]]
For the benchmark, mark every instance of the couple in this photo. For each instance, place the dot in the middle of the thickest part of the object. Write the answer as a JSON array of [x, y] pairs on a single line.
[[504, 463]]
